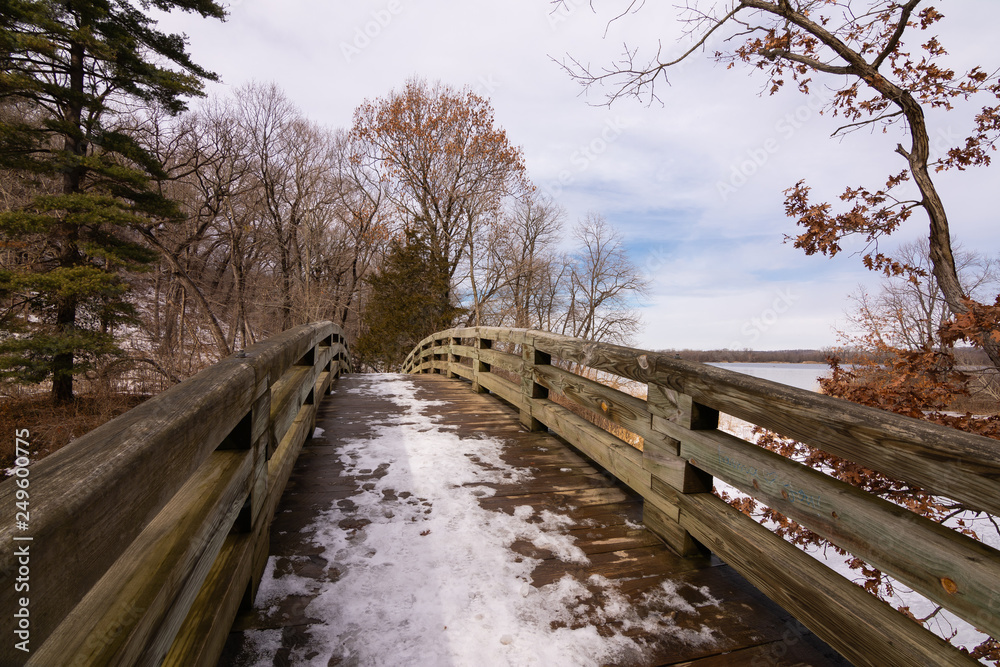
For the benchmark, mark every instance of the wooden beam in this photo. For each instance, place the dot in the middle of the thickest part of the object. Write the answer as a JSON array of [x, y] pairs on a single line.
[[951, 569], [132, 614], [865, 630]]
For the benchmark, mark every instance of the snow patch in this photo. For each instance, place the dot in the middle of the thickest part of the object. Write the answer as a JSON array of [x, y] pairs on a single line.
[[427, 576]]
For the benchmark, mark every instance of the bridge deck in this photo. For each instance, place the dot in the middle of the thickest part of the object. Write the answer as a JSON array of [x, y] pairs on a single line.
[[460, 549]]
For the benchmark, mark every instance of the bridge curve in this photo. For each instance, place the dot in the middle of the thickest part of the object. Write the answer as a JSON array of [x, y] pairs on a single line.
[[424, 526], [683, 451], [151, 533]]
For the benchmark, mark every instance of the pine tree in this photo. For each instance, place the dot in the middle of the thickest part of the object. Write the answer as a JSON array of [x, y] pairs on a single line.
[[409, 301], [69, 66]]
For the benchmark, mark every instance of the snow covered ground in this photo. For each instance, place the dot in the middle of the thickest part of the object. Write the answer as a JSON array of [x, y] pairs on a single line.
[[431, 579]]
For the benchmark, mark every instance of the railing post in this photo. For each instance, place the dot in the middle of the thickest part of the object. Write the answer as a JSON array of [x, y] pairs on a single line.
[[429, 347], [531, 390], [672, 474], [453, 358], [478, 366]]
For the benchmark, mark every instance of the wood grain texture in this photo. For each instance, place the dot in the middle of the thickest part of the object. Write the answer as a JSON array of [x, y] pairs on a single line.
[[505, 360], [863, 629], [94, 498], [621, 408], [917, 551], [613, 454], [946, 461], [678, 421], [130, 612], [505, 389], [202, 636], [90, 499]]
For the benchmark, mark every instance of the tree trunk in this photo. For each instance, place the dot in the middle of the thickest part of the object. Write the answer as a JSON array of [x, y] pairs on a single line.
[[941, 256], [62, 363], [216, 328], [75, 145]]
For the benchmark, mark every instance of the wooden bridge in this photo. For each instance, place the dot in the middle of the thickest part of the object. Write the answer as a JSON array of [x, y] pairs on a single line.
[[148, 539]]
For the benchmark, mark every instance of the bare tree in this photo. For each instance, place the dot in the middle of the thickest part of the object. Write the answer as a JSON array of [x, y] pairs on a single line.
[[528, 252], [446, 166], [364, 224], [604, 285], [885, 73], [913, 309]]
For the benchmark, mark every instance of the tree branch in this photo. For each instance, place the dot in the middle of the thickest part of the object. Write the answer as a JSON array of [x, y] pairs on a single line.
[[893, 42], [772, 54]]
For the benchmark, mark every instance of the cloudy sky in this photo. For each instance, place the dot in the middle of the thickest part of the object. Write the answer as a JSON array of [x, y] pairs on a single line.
[[694, 183]]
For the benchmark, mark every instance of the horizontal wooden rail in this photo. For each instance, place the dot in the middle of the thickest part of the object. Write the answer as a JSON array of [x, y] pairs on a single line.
[[147, 534], [683, 450]]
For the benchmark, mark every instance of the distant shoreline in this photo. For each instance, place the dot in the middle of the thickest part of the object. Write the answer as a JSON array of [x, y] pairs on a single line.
[[965, 356], [753, 356]]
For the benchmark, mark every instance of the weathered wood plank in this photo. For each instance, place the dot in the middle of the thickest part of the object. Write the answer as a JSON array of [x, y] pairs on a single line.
[[861, 627], [462, 351], [621, 408], [505, 360], [280, 465], [133, 612], [94, 498], [505, 389], [90, 499], [946, 461], [679, 408], [461, 371], [615, 455], [661, 459], [951, 569], [615, 359], [232, 582], [287, 396], [670, 531], [202, 636]]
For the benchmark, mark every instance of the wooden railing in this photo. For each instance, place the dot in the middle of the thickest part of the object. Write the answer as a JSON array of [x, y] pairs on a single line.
[[683, 449], [146, 535]]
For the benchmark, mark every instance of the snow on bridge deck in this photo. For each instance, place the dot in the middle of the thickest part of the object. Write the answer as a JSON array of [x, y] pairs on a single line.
[[424, 526]]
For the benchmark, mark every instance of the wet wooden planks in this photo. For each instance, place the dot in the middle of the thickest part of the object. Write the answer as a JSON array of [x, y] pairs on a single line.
[[747, 628]]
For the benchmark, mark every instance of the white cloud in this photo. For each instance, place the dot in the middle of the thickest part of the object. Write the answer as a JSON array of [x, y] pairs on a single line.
[[714, 129]]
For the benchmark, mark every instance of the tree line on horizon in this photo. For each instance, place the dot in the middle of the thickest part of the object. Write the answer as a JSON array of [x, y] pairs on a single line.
[[143, 240], [964, 356]]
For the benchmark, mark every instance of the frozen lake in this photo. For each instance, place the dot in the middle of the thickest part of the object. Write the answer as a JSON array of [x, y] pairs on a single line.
[[803, 376]]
